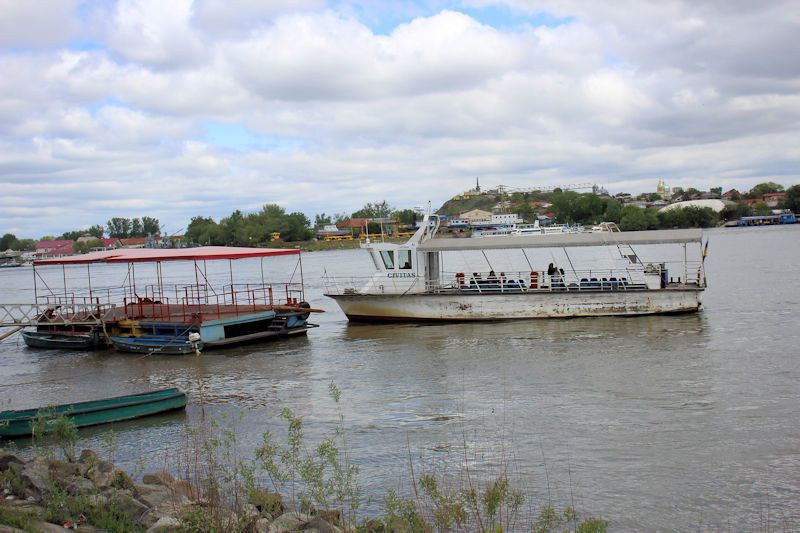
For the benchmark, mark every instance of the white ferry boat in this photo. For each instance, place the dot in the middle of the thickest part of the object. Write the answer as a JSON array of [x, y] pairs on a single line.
[[518, 230], [410, 282], [527, 229]]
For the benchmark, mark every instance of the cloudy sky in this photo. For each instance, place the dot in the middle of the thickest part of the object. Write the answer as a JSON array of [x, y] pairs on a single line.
[[180, 108]]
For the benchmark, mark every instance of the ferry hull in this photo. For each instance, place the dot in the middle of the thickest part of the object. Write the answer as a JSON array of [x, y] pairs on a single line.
[[507, 306]]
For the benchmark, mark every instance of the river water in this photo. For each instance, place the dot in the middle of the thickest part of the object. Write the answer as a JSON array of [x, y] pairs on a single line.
[[660, 423]]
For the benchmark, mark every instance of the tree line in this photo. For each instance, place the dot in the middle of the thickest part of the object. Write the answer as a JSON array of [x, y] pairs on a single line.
[[116, 227], [239, 229], [588, 208]]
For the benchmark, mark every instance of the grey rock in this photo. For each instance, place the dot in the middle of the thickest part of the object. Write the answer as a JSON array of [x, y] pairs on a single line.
[[100, 473], [98, 500], [88, 456], [59, 470], [6, 458], [78, 485], [165, 524], [249, 513], [262, 525], [288, 522], [133, 508], [333, 516], [104, 474], [163, 500], [321, 526], [9, 529], [165, 479], [35, 476]]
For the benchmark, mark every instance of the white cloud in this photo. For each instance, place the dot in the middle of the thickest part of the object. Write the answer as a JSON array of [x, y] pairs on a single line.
[[336, 114], [157, 32], [37, 24]]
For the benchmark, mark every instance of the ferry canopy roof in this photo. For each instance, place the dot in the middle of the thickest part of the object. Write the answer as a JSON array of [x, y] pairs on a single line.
[[153, 255], [564, 240]]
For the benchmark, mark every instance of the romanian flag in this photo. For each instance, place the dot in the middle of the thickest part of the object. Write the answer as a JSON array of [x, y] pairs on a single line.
[[705, 250]]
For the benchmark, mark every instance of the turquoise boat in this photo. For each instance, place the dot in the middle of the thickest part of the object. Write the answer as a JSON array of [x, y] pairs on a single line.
[[92, 413]]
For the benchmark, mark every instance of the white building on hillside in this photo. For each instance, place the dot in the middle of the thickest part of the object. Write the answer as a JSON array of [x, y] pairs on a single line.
[[507, 218]]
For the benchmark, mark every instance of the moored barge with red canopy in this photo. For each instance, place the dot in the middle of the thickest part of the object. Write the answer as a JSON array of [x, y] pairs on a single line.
[[161, 318]]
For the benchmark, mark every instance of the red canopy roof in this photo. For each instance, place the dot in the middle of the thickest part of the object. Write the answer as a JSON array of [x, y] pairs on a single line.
[[136, 255]]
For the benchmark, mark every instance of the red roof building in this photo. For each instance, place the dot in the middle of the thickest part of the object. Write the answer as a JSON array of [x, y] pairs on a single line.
[[727, 195], [47, 246], [133, 242], [357, 223], [774, 198]]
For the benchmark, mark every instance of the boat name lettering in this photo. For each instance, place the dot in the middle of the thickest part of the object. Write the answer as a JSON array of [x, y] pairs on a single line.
[[401, 275]]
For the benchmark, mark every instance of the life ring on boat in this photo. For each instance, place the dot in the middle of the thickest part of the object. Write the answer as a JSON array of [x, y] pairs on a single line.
[[699, 272], [534, 280], [460, 279], [305, 305]]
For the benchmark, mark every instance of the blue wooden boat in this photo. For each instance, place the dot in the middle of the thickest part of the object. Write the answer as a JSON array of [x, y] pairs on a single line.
[[156, 344], [82, 414]]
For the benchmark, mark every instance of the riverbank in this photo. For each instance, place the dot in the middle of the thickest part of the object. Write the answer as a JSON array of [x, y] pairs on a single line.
[[210, 487]]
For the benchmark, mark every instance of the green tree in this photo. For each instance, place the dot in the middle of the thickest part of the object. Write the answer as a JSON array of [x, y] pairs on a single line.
[[761, 189], [136, 228], [792, 199], [119, 228], [298, 228], [151, 226], [71, 235], [83, 247], [574, 208], [6, 241], [736, 211], [374, 210], [716, 191], [322, 219], [761, 208], [96, 231], [613, 211], [23, 245], [636, 219], [406, 216], [204, 231], [232, 227], [632, 218], [735, 195], [527, 213]]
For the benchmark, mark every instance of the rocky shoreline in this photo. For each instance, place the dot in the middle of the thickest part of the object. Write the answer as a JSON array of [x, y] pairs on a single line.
[[91, 494]]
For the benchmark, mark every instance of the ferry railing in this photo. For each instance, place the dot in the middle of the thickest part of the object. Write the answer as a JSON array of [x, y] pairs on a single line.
[[650, 275], [369, 285], [57, 314], [192, 302]]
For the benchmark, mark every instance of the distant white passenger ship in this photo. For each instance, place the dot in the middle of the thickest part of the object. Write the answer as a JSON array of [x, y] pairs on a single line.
[[520, 230], [410, 283]]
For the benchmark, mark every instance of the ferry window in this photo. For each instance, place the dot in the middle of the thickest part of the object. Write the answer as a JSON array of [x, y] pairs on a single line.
[[388, 259], [404, 259]]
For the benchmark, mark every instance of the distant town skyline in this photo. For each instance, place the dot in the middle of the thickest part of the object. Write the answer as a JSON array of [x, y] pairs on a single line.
[[175, 109]]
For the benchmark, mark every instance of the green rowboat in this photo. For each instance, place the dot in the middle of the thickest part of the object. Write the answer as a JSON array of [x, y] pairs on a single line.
[[19, 423]]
